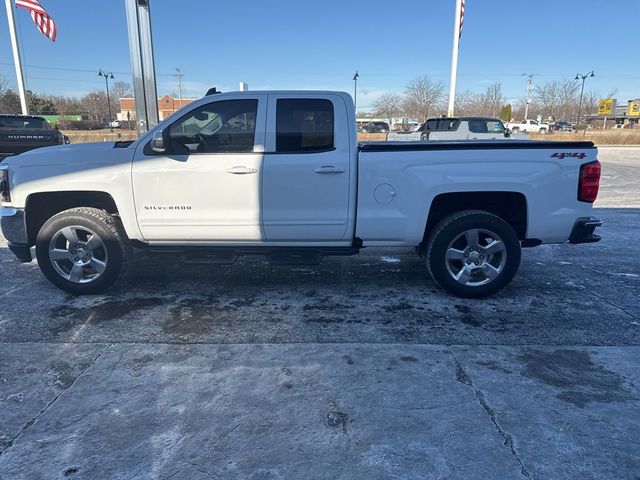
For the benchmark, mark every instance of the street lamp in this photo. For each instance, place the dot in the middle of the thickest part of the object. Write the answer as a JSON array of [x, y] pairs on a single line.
[[356, 76], [583, 77], [107, 76]]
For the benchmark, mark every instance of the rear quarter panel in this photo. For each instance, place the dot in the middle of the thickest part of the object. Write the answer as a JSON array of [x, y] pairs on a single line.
[[548, 183]]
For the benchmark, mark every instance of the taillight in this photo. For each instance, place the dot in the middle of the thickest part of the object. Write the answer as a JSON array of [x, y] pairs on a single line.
[[4, 185], [589, 183]]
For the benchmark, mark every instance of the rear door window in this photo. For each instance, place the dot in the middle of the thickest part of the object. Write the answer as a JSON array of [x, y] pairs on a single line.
[[304, 125]]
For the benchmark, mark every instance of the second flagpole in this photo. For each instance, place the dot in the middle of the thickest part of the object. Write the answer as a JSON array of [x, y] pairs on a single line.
[[17, 60], [454, 58]]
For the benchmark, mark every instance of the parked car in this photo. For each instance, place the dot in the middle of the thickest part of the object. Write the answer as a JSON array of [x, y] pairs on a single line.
[[376, 127], [281, 174], [20, 133], [455, 128], [562, 127], [528, 126]]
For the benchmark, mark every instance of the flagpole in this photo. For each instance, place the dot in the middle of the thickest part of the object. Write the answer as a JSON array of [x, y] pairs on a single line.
[[16, 56], [454, 58]]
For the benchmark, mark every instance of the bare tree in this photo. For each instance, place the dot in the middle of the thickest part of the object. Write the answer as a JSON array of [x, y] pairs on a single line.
[[66, 105], [121, 89], [4, 85], [557, 99], [423, 98], [487, 104], [388, 105], [590, 101], [492, 100], [95, 104]]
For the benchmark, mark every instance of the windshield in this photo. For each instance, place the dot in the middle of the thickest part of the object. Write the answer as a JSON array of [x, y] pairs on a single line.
[[20, 122]]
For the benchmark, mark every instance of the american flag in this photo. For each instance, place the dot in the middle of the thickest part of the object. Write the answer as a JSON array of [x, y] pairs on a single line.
[[40, 17], [461, 17]]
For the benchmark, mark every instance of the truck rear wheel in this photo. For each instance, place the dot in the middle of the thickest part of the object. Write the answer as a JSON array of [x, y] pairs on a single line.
[[81, 250], [473, 254]]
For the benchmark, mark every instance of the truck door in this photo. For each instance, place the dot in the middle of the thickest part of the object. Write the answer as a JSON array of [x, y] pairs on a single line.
[[206, 185], [306, 172]]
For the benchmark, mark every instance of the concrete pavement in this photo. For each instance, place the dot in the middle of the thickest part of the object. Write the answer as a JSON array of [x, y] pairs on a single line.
[[357, 368]]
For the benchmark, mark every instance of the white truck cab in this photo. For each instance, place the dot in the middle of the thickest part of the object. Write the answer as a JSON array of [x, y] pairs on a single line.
[[528, 126], [281, 173]]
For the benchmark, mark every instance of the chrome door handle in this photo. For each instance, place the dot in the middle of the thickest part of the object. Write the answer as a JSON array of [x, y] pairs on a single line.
[[329, 169], [240, 170]]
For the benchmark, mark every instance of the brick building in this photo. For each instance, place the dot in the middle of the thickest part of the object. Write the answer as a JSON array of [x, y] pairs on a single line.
[[166, 106]]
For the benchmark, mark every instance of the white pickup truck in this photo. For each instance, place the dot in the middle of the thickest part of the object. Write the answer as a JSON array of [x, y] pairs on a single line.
[[450, 128], [282, 174], [528, 126]]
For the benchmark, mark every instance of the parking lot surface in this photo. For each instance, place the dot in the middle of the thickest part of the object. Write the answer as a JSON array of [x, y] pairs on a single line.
[[357, 368]]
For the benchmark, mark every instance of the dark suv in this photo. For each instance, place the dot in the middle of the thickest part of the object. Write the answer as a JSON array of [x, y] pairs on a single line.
[[19, 133], [562, 127], [376, 127]]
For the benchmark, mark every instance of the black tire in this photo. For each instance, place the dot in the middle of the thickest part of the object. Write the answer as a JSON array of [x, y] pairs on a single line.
[[114, 248], [542, 131], [452, 228]]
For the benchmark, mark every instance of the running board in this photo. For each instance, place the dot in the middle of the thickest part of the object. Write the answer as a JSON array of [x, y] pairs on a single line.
[[276, 255]]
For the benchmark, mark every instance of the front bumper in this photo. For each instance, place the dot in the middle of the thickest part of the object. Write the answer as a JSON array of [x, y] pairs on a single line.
[[14, 229], [583, 230]]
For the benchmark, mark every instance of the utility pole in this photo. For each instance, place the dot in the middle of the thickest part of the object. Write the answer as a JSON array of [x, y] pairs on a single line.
[[179, 76], [583, 77], [356, 76], [530, 89], [107, 76]]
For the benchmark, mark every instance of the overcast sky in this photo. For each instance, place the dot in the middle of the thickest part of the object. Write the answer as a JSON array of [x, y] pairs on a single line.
[[291, 44]]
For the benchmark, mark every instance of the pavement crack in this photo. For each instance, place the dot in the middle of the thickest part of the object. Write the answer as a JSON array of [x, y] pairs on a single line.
[[32, 422], [604, 299], [464, 378]]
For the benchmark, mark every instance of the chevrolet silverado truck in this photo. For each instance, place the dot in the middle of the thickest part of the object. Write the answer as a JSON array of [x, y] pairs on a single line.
[[19, 133], [281, 174]]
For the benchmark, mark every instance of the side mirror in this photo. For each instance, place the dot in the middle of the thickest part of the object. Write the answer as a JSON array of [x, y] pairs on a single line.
[[507, 132], [157, 142]]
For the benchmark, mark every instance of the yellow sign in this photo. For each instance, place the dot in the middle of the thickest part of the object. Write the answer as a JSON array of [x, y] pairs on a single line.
[[633, 108], [605, 107]]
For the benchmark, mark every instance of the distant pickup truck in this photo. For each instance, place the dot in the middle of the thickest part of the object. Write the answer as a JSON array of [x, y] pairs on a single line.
[[280, 173], [528, 126], [20, 133], [459, 128]]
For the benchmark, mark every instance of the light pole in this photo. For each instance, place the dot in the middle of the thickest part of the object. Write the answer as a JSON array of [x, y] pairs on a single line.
[[530, 88], [583, 77], [356, 76], [107, 76]]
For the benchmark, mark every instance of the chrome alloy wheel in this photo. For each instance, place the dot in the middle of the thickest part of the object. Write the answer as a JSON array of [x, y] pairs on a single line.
[[476, 257], [78, 254]]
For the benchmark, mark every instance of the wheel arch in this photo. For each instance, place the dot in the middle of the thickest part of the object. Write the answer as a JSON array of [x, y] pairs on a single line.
[[508, 205], [41, 206]]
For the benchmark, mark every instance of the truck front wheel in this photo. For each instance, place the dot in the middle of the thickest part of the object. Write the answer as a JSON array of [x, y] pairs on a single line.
[[473, 254], [81, 250]]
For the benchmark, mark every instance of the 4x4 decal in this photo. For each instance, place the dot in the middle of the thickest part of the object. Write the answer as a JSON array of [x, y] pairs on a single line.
[[565, 155]]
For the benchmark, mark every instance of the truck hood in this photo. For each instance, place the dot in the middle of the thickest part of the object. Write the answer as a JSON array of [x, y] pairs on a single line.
[[66, 157]]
